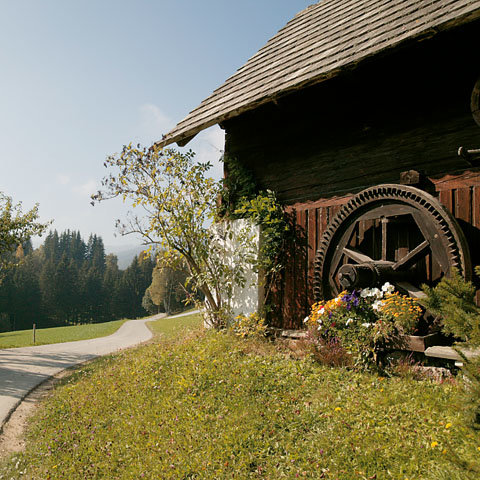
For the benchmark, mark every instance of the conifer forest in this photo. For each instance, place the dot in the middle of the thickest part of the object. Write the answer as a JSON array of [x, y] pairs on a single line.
[[69, 281]]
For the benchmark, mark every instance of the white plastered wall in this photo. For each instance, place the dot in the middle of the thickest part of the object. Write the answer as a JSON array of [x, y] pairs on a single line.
[[249, 298]]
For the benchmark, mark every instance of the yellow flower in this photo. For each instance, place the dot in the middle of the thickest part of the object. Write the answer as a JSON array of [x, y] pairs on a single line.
[[448, 425], [338, 409], [444, 451], [478, 448], [434, 444]]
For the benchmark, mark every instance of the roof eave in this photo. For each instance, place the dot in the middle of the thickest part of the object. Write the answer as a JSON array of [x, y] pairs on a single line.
[[182, 137]]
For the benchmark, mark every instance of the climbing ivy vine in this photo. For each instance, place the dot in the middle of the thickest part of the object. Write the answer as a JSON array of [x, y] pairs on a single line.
[[242, 198]]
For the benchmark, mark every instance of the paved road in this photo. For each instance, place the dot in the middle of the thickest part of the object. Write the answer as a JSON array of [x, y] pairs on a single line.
[[22, 369]]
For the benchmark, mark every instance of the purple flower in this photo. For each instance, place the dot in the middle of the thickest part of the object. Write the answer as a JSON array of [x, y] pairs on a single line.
[[351, 300]]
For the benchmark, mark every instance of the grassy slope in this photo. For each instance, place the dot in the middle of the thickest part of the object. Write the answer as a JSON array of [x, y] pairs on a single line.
[[169, 327], [44, 336], [211, 406]]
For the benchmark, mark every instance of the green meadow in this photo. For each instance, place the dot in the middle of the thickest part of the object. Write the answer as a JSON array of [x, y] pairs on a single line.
[[197, 404], [44, 336]]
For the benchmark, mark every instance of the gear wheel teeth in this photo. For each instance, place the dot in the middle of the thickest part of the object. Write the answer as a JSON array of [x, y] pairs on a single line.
[[452, 236]]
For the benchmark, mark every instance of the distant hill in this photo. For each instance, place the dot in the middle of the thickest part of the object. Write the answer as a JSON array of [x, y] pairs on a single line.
[[125, 254]]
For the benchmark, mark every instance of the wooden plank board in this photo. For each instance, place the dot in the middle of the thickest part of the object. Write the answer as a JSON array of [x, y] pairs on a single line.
[[464, 180], [476, 206], [288, 307], [450, 354], [324, 220], [476, 229], [312, 248], [301, 269], [308, 175], [446, 198], [463, 204]]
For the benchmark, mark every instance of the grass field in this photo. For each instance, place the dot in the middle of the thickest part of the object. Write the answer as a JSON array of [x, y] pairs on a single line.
[[44, 336], [207, 405], [169, 327]]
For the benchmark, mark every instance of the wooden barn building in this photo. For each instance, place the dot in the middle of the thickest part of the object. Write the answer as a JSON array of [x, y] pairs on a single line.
[[354, 114]]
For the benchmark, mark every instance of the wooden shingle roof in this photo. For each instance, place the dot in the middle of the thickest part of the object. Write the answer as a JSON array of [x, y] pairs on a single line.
[[317, 44]]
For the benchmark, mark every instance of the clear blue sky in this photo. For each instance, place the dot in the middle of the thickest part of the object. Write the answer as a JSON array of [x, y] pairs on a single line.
[[81, 78]]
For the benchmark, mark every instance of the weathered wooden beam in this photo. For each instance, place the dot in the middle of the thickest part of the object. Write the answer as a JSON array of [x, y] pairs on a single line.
[[290, 333], [410, 177], [449, 353]]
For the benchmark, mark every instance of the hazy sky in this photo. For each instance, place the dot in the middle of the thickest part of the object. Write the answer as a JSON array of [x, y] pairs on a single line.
[[81, 78]]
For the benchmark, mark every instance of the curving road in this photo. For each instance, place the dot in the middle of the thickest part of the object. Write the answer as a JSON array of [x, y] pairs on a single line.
[[23, 369]]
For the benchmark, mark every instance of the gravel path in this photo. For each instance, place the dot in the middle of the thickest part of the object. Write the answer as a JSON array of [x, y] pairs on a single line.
[[23, 369]]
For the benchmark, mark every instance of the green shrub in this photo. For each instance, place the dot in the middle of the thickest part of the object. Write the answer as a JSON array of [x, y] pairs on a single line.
[[252, 325], [454, 300]]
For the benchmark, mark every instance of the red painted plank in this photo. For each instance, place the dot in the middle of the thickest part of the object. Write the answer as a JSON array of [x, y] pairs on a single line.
[[476, 231], [289, 279], [463, 204], [335, 209], [324, 222], [446, 198], [476, 207], [318, 226], [312, 242], [300, 273]]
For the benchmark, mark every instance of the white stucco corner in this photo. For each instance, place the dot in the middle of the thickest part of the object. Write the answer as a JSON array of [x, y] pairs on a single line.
[[248, 298]]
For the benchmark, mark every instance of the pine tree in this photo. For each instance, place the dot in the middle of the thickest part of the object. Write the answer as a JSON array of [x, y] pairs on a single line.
[[111, 279], [26, 302], [454, 300]]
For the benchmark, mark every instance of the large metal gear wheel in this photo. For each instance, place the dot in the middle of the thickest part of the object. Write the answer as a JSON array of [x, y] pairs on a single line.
[[393, 233]]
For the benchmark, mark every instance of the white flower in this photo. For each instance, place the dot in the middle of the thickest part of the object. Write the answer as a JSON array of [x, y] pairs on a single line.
[[377, 304], [319, 328], [306, 319], [377, 293], [366, 325], [365, 293], [388, 287], [350, 320], [371, 292], [319, 321], [321, 311]]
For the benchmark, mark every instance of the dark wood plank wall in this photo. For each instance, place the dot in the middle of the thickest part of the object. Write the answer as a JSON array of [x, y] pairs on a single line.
[[317, 147]]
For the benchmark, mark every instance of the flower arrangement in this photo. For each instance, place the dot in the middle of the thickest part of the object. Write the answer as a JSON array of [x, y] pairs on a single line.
[[362, 322]]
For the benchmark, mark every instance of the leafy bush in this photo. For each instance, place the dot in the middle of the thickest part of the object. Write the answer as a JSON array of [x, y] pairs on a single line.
[[252, 325], [362, 322]]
